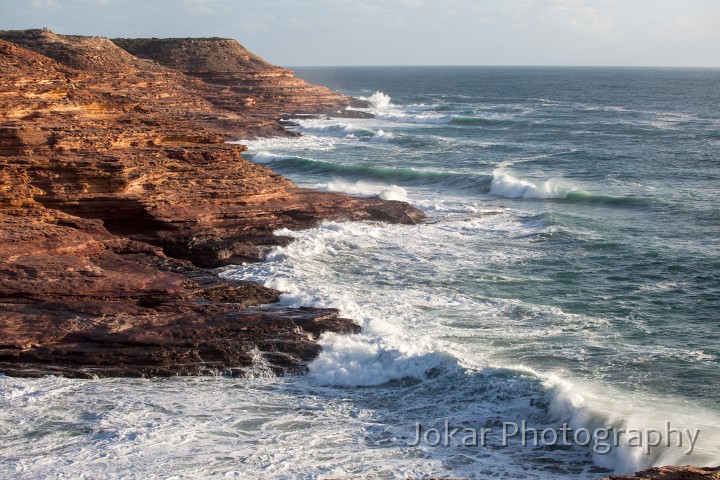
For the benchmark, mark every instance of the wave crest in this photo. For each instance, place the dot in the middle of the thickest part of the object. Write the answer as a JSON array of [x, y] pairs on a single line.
[[352, 361], [267, 157], [386, 192], [506, 185]]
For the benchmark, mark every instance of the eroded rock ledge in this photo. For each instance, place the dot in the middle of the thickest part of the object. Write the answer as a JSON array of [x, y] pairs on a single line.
[[116, 190]]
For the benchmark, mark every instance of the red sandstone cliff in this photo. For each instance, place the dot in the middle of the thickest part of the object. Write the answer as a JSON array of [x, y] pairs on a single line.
[[115, 185], [264, 88]]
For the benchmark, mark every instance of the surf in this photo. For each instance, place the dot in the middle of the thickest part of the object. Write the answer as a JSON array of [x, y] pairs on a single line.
[[404, 350], [404, 175]]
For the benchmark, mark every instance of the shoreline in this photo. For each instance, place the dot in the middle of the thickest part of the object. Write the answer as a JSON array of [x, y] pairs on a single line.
[[121, 192]]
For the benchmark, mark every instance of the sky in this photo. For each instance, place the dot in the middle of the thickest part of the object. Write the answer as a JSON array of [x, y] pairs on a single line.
[[408, 32]]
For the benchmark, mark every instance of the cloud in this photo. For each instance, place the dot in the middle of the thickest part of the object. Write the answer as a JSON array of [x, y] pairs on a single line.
[[582, 17]]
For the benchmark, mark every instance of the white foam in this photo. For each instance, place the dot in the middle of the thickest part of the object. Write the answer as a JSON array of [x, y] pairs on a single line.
[[366, 360], [403, 323], [261, 428], [389, 348], [383, 109], [394, 193], [337, 421], [378, 100], [360, 129], [401, 116], [505, 185], [386, 192], [584, 405], [267, 157], [285, 145], [382, 136]]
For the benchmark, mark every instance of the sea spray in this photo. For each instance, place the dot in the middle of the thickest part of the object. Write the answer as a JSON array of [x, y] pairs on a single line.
[[379, 100], [386, 192], [505, 185]]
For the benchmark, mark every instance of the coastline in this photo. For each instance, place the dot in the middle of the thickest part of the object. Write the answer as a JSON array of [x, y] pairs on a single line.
[[144, 265], [121, 192]]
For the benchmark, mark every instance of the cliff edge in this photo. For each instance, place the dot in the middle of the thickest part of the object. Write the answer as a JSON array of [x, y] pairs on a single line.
[[264, 88], [117, 190]]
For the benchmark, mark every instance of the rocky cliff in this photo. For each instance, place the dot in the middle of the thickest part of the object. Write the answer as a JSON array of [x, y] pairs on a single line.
[[116, 189], [264, 88]]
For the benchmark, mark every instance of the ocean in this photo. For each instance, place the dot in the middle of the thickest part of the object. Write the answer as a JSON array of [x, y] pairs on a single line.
[[566, 284]]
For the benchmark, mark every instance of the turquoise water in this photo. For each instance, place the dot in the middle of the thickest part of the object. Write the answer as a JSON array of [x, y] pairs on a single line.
[[568, 274]]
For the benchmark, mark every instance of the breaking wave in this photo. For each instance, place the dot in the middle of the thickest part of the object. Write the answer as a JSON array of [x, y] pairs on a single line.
[[408, 352], [409, 176], [344, 130], [386, 192], [267, 157], [378, 100], [505, 185]]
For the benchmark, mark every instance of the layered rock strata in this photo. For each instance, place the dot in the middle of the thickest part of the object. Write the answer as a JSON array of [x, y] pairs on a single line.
[[116, 188], [264, 88]]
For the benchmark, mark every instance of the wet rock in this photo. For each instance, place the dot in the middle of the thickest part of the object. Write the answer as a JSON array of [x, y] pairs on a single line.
[[687, 472]]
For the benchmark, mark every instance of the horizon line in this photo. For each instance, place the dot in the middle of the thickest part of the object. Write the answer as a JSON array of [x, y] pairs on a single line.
[[509, 65]]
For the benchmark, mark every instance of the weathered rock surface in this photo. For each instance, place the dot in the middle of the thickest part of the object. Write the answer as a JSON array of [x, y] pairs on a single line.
[[264, 88], [115, 186], [687, 472], [117, 77]]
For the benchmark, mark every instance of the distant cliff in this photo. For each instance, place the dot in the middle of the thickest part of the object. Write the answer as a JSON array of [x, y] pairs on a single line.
[[210, 80], [265, 88]]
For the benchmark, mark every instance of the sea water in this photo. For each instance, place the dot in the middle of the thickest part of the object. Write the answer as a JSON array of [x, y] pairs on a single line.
[[566, 282]]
